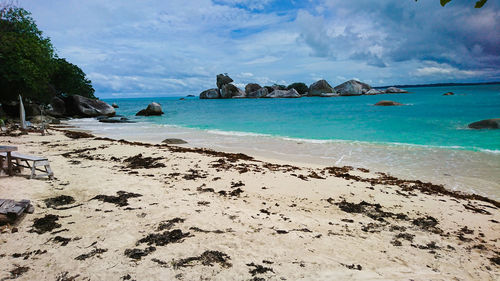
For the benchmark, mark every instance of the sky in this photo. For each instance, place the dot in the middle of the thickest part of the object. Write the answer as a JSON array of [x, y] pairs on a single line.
[[177, 47]]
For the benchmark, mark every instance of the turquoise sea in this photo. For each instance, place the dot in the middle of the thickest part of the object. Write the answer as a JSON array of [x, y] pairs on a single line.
[[427, 138]]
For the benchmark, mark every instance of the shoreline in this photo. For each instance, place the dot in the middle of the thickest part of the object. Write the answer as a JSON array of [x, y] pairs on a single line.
[[151, 211], [460, 170]]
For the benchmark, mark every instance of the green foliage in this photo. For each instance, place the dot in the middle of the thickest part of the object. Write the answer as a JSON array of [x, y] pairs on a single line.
[[25, 56], [69, 79], [301, 88], [28, 64], [279, 87]]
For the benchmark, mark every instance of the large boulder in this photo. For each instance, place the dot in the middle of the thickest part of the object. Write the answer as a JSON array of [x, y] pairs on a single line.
[[81, 106], [260, 93], [394, 90], [57, 107], [387, 103], [372, 92], [320, 87], [153, 109], [352, 88], [210, 94], [486, 124], [223, 79], [229, 91], [114, 105], [292, 93], [448, 94], [252, 87]]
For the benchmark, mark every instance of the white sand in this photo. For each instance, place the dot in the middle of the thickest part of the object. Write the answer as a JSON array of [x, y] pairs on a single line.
[[317, 244]]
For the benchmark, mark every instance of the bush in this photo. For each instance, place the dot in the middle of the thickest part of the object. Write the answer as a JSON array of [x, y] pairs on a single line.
[[301, 88]]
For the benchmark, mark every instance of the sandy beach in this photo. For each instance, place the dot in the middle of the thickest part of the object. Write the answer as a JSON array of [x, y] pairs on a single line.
[[120, 210]]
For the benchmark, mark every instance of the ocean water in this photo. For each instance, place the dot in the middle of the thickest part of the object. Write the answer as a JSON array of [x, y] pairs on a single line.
[[427, 138]]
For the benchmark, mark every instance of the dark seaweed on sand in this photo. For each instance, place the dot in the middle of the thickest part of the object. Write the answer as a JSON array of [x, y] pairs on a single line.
[[162, 239], [45, 224], [120, 200], [208, 258], [57, 201]]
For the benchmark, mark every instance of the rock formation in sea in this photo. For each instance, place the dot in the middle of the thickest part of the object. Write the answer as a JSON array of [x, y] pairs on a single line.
[[486, 124], [223, 79], [374, 92], [352, 88], [387, 103], [210, 94], [252, 87], [394, 90], [229, 91], [153, 109], [226, 90], [260, 93], [292, 93], [448, 94], [319, 87]]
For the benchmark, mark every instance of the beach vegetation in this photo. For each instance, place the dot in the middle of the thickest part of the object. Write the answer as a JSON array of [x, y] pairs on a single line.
[[29, 65], [300, 87]]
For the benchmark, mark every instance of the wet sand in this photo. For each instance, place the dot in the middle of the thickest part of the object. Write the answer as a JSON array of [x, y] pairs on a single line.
[[120, 210]]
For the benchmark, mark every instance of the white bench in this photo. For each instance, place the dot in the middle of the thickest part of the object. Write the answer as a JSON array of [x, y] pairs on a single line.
[[31, 162]]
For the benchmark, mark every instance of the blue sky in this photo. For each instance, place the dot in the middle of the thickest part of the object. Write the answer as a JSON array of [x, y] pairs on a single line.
[[176, 47]]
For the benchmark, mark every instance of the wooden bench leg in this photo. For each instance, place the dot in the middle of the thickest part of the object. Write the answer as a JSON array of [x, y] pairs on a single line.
[[9, 163], [49, 172]]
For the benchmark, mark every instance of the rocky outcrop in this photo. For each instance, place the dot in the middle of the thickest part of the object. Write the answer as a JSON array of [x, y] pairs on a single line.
[[260, 93], [387, 103], [223, 79], [372, 92], [394, 90], [84, 107], [486, 124], [153, 109], [114, 105], [319, 87], [210, 94], [252, 87], [229, 91], [448, 94], [292, 93], [57, 107], [352, 88]]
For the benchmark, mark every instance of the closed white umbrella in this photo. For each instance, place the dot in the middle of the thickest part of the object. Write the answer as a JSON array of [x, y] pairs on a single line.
[[22, 114]]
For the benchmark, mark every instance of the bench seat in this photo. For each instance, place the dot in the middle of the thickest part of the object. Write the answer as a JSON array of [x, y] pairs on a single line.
[[31, 162]]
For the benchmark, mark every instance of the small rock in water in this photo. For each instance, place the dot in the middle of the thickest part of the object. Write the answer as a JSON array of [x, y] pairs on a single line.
[[387, 103], [486, 124]]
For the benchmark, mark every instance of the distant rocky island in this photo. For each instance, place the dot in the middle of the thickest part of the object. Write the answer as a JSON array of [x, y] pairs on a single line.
[[226, 90]]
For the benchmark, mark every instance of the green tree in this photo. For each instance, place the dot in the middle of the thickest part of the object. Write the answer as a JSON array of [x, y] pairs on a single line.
[[69, 79], [25, 56], [29, 65], [301, 88]]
